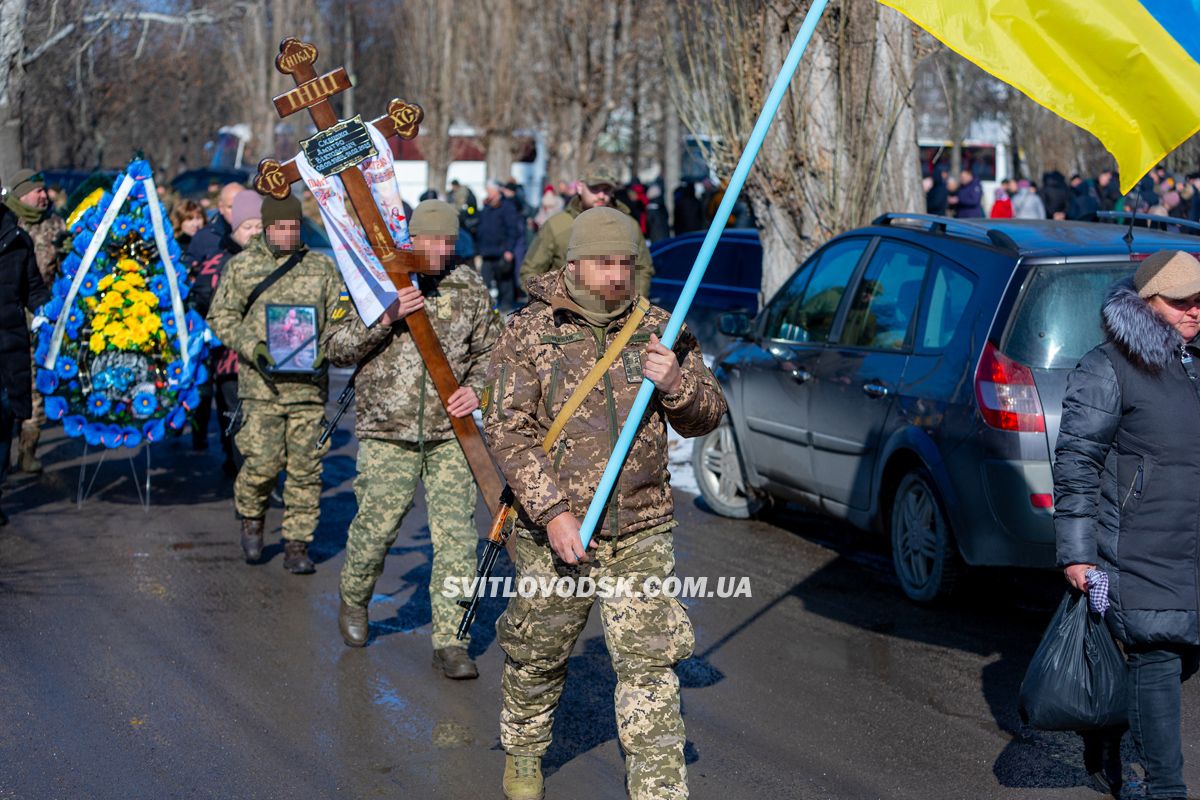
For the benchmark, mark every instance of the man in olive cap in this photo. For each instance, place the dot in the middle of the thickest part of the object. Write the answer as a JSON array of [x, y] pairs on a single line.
[[548, 347], [26, 197], [404, 433], [595, 189], [271, 284]]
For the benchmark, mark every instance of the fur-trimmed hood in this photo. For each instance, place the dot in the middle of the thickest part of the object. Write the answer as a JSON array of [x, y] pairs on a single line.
[[1140, 334]]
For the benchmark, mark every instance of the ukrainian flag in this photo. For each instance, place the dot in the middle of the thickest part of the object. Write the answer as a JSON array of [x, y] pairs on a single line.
[[1125, 70]]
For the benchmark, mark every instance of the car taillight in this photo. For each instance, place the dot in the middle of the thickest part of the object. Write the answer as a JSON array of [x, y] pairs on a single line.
[[1007, 396], [1043, 501]]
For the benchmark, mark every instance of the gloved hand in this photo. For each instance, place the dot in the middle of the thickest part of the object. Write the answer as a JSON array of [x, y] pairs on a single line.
[[262, 357], [319, 361]]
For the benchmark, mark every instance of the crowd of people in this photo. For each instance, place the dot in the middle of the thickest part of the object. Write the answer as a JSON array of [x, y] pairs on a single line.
[[1160, 193]]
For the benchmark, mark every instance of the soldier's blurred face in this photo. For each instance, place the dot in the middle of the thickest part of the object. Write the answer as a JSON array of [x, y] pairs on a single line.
[[284, 235], [245, 232], [599, 194], [436, 252], [611, 277], [225, 200], [36, 198]]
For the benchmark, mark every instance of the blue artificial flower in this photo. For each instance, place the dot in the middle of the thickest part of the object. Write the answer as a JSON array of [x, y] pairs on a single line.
[[154, 430], [195, 322], [52, 309], [176, 375], [93, 433], [73, 425], [74, 317], [168, 323], [80, 242], [66, 367], [144, 404], [159, 286], [112, 436], [177, 418], [119, 409], [139, 169], [195, 347], [182, 284], [201, 374], [55, 407], [98, 405], [88, 287], [173, 250], [73, 386], [60, 287], [123, 225], [191, 399], [69, 265], [131, 437], [143, 229], [43, 347], [45, 382]]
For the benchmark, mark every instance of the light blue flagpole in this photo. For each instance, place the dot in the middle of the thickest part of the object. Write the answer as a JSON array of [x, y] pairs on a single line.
[[617, 460]]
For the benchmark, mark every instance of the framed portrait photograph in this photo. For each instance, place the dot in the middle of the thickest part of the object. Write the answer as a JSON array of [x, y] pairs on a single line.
[[292, 337]]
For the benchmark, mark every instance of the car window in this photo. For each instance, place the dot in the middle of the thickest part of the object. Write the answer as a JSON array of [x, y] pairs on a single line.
[[950, 291], [1058, 319], [884, 305], [805, 308]]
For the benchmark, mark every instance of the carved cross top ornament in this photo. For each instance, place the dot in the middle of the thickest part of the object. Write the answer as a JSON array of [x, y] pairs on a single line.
[[338, 147]]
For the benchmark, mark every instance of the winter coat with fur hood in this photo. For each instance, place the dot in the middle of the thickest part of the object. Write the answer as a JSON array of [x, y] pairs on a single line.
[[1127, 473]]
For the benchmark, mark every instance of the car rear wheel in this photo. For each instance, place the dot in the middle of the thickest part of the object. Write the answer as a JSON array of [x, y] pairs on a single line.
[[718, 469], [924, 552]]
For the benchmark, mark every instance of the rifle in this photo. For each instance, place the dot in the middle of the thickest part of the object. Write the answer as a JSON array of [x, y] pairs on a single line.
[[344, 401], [502, 526], [235, 416]]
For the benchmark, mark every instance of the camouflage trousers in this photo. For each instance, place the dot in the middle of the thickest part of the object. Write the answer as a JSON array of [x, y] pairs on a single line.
[[274, 437], [646, 637], [387, 480]]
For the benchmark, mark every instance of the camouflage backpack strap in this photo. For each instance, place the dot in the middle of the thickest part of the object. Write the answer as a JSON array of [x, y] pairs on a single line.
[[596, 373]]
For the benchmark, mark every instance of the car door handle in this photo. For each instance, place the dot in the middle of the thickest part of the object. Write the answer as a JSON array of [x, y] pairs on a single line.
[[876, 390], [801, 375]]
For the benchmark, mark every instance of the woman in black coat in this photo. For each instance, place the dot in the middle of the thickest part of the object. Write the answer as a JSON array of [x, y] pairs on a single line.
[[21, 288], [1127, 500]]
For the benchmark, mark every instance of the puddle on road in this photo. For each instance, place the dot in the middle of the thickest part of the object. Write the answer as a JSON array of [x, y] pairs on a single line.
[[448, 734]]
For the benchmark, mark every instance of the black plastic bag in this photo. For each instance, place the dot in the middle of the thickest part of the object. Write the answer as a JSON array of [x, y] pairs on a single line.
[[1077, 680]]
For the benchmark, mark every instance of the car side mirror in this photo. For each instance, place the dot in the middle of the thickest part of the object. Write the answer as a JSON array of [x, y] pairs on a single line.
[[735, 323]]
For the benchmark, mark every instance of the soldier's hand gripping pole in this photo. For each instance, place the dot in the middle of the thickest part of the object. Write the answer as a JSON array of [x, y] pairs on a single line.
[[502, 526], [344, 401]]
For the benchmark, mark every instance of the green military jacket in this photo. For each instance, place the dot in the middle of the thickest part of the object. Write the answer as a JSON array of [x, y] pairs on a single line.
[[395, 399], [315, 282], [46, 236], [544, 354], [549, 249]]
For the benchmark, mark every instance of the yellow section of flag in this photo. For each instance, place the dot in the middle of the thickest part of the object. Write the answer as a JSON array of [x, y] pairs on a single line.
[[1106, 65]]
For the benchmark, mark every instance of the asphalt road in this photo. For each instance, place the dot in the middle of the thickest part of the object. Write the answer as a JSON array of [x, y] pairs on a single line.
[[141, 658]]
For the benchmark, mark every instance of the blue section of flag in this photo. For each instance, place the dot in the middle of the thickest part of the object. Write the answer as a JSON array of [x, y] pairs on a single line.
[[1181, 19]]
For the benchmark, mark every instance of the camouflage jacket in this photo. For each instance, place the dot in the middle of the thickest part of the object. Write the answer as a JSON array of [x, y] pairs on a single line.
[[394, 397], [315, 282], [544, 353], [46, 237], [549, 249]]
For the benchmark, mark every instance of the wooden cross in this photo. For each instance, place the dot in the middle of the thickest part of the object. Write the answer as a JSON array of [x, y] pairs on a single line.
[[312, 92]]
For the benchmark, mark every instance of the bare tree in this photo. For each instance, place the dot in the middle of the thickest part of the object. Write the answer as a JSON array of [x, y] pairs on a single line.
[[841, 149]]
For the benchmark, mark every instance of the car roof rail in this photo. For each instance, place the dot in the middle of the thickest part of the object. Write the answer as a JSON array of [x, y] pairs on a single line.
[[950, 225], [1125, 215]]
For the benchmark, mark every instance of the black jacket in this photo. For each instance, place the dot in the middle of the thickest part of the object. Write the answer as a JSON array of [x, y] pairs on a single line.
[[206, 243], [1126, 472], [500, 229], [21, 288]]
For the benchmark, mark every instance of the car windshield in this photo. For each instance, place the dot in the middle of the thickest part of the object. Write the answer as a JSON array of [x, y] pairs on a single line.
[[1058, 319]]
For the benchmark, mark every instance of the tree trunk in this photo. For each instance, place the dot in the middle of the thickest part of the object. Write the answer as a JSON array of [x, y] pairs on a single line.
[[783, 245], [12, 48], [499, 155]]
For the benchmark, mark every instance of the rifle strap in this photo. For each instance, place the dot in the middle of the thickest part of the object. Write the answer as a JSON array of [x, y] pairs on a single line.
[[270, 280], [596, 373]]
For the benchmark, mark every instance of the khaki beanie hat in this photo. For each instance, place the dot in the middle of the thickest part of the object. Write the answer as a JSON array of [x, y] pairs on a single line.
[[600, 232], [25, 181], [275, 210], [596, 175], [1170, 273], [434, 218]]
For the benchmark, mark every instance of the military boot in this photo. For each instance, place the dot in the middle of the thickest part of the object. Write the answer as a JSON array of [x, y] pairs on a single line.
[[28, 443], [455, 663], [352, 622], [296, 560], [523, 778], [252, 539]]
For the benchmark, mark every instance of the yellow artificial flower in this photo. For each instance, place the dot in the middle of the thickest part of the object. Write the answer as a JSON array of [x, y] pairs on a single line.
[[90, 302], [153, 323], [96, 343], [128, 265], [107, 281], [138, 310], [135, 279]]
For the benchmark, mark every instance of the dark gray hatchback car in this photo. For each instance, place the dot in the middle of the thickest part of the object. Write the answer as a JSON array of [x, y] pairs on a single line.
[[908, 378]]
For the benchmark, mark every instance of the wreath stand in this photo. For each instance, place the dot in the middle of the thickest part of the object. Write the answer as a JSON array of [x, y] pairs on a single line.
[[82, 493]]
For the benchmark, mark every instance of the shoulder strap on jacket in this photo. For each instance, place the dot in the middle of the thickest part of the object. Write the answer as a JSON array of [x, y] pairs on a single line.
[[271, 279]]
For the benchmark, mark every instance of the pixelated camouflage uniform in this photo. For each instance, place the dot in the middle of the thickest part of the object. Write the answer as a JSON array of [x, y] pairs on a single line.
[[280, 424], [548, 251], [405, 434], [543, 355], [47, 247]]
